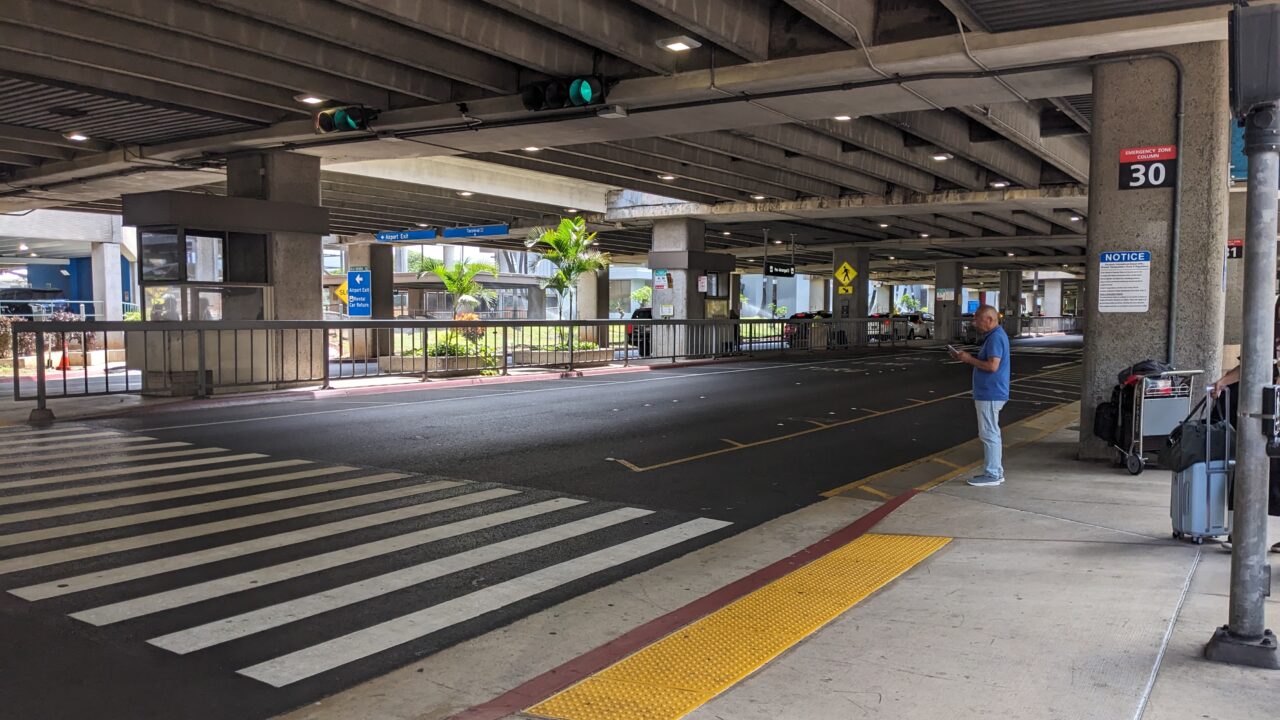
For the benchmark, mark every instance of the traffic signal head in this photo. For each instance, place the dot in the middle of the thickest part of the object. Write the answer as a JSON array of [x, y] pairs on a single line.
[[344, 119], [556, 94]]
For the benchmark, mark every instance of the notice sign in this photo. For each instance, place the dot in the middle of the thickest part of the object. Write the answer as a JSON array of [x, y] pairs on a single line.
[[1148, 167], [661, 280], [1235, 248], [1124, 282]]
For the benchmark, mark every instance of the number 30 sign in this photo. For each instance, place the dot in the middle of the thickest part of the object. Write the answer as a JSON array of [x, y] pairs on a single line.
[[1148, 167]]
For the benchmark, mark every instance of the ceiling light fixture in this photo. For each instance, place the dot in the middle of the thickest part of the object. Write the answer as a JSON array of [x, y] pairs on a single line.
[[75, 136], [843, 118], [884, 226], [678, 43], [309, 99], [64, 272], [33, 255], [777, 242], [942, 156], [465, 193], [924, 235], [726, 233], [423, 225], [1009, 254], [571, 210], [892, 257], [532, 148], [23, 247], [757, 197], [665, 176], [1000, 184], [1075, 218]]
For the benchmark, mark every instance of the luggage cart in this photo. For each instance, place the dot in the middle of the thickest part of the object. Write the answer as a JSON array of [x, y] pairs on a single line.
[[1160, 402]]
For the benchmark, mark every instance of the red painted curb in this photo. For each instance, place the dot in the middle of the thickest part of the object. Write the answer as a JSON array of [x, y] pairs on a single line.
[[553, 681]]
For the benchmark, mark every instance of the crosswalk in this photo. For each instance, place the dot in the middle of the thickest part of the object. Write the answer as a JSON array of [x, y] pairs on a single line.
[[292, 573]]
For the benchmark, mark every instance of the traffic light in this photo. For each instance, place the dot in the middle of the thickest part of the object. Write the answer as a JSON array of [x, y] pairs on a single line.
[[563, 93], [344, 119]]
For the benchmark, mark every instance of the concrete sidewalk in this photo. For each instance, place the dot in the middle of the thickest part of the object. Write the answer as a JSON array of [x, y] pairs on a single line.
[[1061, 596]]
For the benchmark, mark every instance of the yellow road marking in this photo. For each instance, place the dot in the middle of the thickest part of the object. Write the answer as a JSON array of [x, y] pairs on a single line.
[[948, 463], [799, 433], [674, 676], [877, 493], [734, 443], [817, 423]]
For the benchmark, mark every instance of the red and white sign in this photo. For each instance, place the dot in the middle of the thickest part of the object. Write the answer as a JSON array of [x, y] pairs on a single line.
[[1235, 248], [1149, 154]]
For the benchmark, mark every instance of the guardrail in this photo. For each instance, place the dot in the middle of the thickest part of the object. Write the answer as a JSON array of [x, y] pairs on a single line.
[[1030, 326], [67, 359]]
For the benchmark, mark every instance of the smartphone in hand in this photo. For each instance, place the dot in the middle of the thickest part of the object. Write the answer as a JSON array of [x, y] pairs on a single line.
[[952, 351]]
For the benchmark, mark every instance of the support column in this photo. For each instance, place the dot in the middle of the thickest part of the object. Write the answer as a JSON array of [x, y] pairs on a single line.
[[593, 304], [679, 248], [107, 281], [380, 259], [1135, 106], [1052, 298], [947, 297], [852, 303], [1011, 301]]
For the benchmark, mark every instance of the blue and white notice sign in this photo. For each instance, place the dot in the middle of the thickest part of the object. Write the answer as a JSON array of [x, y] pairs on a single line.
[[1124, 281], [476, 231], [405, 235], [359, 293]]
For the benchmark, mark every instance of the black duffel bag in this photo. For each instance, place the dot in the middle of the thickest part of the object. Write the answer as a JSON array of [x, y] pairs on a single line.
[[1188, 442]]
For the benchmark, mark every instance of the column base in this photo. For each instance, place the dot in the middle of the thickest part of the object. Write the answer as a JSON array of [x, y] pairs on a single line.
[[41, 416], [1226, 648]]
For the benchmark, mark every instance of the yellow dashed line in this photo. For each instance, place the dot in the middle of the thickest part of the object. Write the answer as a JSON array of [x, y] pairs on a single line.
[[877, 493], [674, 676], [734, 443]]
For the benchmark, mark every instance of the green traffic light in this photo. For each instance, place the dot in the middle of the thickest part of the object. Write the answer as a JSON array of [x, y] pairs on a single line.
[[585, 91]]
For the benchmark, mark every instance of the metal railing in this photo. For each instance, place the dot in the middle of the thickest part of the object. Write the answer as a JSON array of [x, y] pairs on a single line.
[[45, 309], [68, 359], [1029, 326]]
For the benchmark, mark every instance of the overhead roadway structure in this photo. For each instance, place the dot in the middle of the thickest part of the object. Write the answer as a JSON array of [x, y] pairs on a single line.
[[961, 123]]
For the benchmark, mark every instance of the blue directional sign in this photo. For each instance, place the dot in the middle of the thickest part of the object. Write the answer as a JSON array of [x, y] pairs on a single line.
[[359, 293], [476, 231], [403, 235]]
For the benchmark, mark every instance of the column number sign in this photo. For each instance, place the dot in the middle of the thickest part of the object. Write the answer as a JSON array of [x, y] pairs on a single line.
[[1148, 167]]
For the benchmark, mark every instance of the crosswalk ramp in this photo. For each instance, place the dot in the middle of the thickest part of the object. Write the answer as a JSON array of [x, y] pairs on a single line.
[[288, 574]]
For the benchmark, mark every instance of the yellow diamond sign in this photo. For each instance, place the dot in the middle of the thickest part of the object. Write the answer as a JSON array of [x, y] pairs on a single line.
[[845, 274], [341, 291]]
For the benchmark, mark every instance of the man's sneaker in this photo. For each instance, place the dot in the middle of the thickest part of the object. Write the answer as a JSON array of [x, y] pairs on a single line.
[[985, 481]]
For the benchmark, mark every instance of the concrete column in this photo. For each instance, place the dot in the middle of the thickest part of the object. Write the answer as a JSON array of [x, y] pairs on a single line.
[[107, 292], [1011, 301], [854, 303], [1134, 106], [1052, 298], [948, 296]]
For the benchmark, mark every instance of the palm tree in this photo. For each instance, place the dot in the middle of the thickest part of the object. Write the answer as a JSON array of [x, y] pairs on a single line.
[[459, 280], [569, 248]]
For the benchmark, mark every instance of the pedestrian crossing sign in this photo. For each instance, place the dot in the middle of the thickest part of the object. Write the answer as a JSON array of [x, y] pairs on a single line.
[[844, 290], [846, 274]]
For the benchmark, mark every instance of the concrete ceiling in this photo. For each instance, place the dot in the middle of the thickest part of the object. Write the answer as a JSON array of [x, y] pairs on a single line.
[[167, 88]]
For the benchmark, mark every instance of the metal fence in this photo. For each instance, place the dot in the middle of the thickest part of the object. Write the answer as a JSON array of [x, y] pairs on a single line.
[[66, 359], [967, 333]]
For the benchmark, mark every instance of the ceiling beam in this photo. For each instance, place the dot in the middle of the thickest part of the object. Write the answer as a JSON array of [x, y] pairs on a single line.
[[956, 227], [875, 136], [39, 150], [13, 158], [1000, 227], [617, 27], [679, 155], [546, 162], [50, 139], [653, 166], [1019, 123], [739, 26], [53, 17], [846, 19], [488, 30], [796, 139], [357, 45], [136, 87], [1023, 220], [747, 149], [950, 132]]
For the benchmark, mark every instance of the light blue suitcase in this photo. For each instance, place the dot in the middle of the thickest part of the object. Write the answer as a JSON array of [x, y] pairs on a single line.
[[1198, 502]]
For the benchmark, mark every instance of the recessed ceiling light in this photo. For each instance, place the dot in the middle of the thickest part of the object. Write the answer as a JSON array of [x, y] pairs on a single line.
[[33, 255], [777, 242], [23, 247], [64, 272], [75, 136], [1000, 184], [665, 176], [726, 232], [465, 193], [884, 225], [532, 148], [422, 225], [892, 257], [1075, 218], [309, 99], [1009, 254], [924, 235], [571, 210], [942, 156], [757, 197], [966, 267], [843, 118], [678, 43]]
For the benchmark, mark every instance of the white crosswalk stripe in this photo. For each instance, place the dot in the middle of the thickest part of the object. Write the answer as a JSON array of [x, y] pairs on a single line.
[[413, 540], [81, 441], [7, 435]]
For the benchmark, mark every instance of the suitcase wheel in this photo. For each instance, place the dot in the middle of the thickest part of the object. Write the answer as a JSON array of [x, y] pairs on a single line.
[[1133, 463]]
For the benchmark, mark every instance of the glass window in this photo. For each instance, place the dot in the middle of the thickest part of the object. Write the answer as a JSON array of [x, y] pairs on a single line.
[[164, 302], [225, 303], [246, 257], [160, 255], [204, 256]]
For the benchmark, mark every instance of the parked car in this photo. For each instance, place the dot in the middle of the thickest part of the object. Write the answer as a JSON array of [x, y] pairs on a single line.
[[640, 335], [919, 325], [25, 302], [806, 330]]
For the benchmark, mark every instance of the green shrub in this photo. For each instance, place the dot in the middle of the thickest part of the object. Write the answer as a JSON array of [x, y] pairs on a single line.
[[563, 346]]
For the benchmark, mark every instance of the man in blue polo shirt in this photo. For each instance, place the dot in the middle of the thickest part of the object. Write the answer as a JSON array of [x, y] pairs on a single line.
[[990, 390]]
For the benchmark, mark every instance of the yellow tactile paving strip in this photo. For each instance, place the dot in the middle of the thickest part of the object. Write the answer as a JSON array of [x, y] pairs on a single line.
[[674, 676]]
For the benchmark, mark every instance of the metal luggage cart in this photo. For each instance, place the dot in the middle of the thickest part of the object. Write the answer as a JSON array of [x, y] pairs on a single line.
[[1160, 402]]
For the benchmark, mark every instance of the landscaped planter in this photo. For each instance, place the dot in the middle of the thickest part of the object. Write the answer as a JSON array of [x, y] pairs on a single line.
[[561, 357], [434, 364]]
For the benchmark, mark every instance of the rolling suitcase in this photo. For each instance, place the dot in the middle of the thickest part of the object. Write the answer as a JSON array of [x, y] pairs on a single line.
[[1198, 502]]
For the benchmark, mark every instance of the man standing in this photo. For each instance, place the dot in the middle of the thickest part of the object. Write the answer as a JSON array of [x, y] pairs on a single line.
[[990, 390]]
